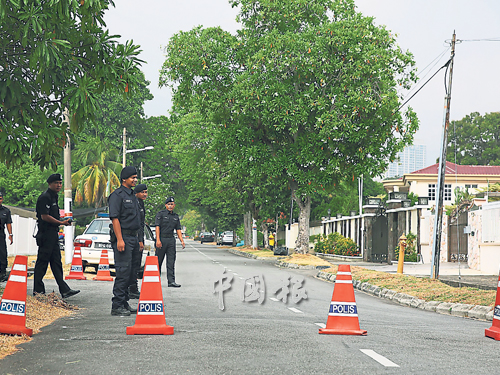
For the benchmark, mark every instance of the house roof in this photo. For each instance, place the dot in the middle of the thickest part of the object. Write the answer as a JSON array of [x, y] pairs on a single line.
[[452, 168]]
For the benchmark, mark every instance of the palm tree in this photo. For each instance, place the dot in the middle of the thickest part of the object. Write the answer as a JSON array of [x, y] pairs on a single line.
[[99, 177]]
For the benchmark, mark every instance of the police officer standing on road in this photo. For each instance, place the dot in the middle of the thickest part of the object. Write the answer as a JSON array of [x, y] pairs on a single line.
[[47, 239], [125, 217], [141, 192], [5, 221], [166, 222]]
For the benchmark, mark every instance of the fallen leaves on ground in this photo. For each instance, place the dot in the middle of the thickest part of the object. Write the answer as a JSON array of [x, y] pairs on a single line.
[[40, 312]]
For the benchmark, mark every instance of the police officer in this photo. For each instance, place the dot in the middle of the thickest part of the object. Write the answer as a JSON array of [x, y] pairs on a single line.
[[5, 221], [141, 192], [47, 239], [126, 222], [166, 222]]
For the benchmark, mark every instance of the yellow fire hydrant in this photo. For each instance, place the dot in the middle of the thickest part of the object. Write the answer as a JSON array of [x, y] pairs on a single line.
[[402, 246]]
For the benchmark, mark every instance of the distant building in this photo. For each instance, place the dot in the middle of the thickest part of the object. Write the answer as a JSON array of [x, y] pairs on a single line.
[[412, 158]]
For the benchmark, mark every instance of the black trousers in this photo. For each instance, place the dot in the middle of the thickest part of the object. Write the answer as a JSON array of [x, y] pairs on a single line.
[[168, 250], [123, 270], [3, 253], [49, 253], [136, 264]]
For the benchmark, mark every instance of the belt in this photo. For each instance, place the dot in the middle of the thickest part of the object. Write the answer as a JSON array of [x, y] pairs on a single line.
[[130, 232]]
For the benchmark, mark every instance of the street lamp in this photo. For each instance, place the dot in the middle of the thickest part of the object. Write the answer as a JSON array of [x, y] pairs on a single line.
[[125, 151], [150, 177]]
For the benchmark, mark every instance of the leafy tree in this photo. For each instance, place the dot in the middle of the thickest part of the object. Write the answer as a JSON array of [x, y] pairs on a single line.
[[475, 140], [99, 177], [307, 89], [55, 55], [157, 193]]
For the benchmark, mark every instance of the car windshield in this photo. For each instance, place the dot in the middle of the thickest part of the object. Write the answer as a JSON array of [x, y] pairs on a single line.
[[98, 227]]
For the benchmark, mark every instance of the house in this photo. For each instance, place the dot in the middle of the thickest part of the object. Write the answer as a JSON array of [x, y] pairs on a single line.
[[423, 182]]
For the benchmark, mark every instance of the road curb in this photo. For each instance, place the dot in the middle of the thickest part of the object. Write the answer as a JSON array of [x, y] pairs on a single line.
[[456, 309]]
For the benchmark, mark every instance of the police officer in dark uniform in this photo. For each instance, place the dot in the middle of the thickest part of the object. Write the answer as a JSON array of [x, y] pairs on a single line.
[[47, 239], [5, 221], [166, 222], [141, 192], [126, 222]]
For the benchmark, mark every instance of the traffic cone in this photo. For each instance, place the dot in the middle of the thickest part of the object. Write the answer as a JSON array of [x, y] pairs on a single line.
[[150, 318], [103, 273], [494, 330], [343, 314], [13, 303], [76, 271]]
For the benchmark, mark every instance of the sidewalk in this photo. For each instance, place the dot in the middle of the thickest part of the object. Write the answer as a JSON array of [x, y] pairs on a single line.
[[451, 273]]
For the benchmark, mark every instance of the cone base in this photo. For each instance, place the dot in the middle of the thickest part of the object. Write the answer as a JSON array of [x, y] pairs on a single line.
[[15, 330], [330, 331], [150, 329], [103, 278], [75, 277], [493, 332]]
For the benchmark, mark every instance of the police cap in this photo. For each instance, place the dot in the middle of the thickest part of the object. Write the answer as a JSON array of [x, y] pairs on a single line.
[[127, 172], [169, 199], [140, 187], [54, 177]]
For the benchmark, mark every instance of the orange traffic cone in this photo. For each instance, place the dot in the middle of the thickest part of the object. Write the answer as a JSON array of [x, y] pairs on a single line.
[[13, 303], [494, 330], [76, 271], [343, 314], [103, 273], [150, 318]]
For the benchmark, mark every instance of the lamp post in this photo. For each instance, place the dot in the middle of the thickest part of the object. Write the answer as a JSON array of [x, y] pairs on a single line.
[[125, 151], [150, 177]]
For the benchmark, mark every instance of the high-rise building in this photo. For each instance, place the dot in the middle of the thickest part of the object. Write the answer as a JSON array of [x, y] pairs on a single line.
[[409, 160]]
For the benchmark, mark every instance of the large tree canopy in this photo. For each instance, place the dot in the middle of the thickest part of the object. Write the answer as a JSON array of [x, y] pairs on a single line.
[[55, 54], [309, 89], [475, 140]]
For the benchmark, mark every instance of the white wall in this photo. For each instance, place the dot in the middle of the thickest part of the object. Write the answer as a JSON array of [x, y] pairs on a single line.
[[24, 243]]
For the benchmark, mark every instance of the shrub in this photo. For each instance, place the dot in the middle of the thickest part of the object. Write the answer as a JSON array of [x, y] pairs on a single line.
[[336, 244]]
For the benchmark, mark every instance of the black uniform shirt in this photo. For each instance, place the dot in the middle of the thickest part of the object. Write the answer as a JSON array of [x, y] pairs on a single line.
[[47, 205], [142, 212], [168, 221], [123, 206], [5, 218]]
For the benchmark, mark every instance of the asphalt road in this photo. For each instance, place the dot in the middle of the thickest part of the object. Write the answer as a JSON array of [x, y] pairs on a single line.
[[251, 337]]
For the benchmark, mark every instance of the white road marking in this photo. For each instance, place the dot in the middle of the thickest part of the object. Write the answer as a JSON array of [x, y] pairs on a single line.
[[234, 273], [321, 325], [274, 299], [379, 358], [295, 310]]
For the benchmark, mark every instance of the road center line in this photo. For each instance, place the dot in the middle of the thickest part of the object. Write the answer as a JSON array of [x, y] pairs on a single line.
[[274, 299], [295, 310], [321, 325], [379, 358]]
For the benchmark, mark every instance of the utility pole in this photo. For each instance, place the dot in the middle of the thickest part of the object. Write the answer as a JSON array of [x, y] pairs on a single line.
[[438, 222], [68, 230], [141, 171], [124, 147]]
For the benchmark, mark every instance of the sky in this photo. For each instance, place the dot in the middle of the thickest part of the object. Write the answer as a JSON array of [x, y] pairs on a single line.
[[424, 27]]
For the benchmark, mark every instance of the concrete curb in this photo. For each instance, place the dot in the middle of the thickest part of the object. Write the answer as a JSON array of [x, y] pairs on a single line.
[[455, 309]]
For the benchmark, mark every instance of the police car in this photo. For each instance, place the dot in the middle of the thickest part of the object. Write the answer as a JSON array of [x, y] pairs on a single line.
[[96, 237]]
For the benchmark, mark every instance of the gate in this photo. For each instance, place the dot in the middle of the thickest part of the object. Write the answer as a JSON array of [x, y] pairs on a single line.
[[379, 239], [457, 239]]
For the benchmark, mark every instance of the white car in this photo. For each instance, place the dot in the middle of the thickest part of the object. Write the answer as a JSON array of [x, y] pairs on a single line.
[[96, 237], [225, 238]]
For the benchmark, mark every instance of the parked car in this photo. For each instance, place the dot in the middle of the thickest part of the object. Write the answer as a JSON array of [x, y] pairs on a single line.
[[206, 237], [96, 237], [225, 238]]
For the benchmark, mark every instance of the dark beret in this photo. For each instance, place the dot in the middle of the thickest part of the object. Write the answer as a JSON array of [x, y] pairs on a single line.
[[1, 194], [140, 187], [169, 199], [54, 177], [127, 172]]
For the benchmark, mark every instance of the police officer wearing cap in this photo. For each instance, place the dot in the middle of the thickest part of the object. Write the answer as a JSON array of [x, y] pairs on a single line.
[[141, 192], [47, 239], [166, 222], [126, 222], [5, 221]]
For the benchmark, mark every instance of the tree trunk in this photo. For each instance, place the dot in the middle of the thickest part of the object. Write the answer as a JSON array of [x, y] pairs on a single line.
[[247, 220], [265, 232], [304, 203]]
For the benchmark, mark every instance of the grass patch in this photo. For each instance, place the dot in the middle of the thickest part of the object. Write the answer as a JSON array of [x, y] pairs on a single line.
[[422, 287]]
